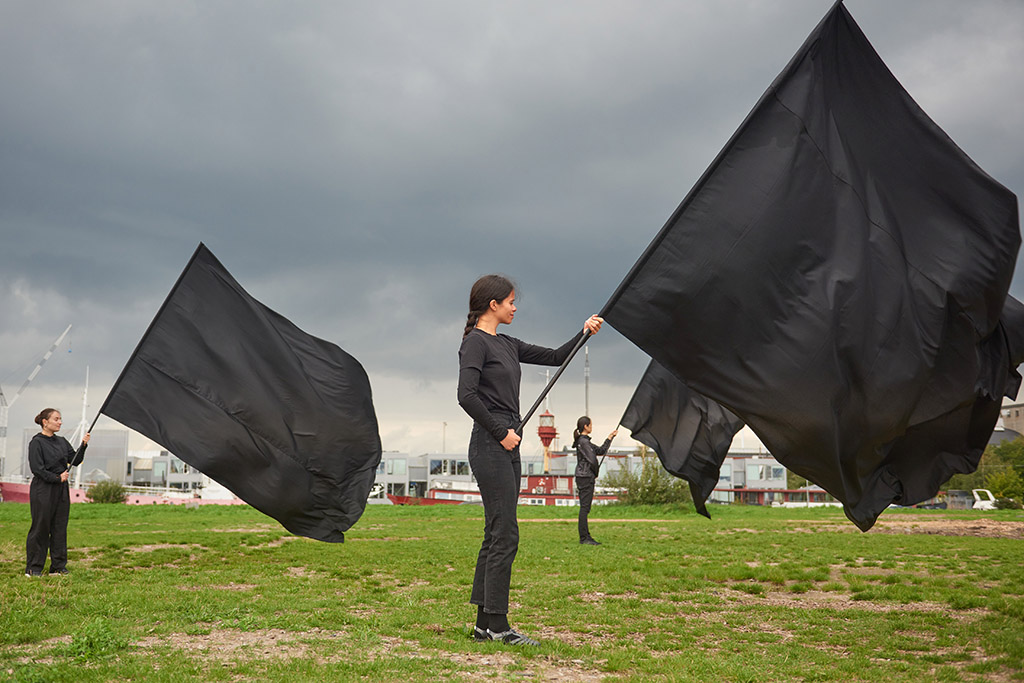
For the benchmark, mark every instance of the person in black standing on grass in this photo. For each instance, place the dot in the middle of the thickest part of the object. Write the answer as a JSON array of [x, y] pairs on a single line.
[[586, 472], [489, 374], [50, 458]]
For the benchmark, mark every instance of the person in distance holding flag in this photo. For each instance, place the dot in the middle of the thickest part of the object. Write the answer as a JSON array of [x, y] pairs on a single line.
[[586, 471]]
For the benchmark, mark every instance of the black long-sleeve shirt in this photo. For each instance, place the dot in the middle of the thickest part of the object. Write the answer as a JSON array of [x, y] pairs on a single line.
[[586, 456], [49, 456], [489, 374]]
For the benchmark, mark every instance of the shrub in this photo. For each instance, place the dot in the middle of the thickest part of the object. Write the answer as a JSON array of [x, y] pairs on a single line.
[[651, 485], [991, 461], [1012, 453], [107, 492], [1007, 504], [1008, 455], [1005, 483]]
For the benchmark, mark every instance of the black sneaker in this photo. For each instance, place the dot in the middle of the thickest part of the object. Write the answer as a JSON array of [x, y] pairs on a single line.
[[589, 541], [480, 634], [33, 573], [60, 572], [512, 637]]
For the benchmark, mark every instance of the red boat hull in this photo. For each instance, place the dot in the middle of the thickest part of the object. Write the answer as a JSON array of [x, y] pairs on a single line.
[[416, 500], [11, 492], [18, 493]]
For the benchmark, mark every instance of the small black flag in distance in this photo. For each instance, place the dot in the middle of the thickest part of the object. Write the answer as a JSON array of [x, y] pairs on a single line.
[[690, 433], [281, 418], [836, 279]]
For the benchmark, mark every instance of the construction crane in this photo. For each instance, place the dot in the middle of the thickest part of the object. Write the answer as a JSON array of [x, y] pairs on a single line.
[[5, 406]]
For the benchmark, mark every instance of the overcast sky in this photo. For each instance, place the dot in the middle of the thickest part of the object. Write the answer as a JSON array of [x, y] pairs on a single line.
[[357, 165]]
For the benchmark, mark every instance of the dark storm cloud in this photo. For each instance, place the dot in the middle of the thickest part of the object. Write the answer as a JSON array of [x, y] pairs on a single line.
[[357, 165]]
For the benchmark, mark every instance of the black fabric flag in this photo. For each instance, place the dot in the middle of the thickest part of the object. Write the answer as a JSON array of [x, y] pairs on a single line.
[[832, 276], [281, 418], [928, 453], [690, 433]]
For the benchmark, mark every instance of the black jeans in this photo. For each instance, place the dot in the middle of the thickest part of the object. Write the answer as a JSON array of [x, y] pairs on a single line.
[[50, 505], [585, 491], [497, 471]]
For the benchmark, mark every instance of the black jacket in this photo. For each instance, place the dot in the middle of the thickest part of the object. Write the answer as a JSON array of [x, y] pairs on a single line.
[[586, 456], [489, 374], [49, 456]]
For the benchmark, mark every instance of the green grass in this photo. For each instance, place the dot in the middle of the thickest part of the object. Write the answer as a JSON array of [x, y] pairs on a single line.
[[225, 594]]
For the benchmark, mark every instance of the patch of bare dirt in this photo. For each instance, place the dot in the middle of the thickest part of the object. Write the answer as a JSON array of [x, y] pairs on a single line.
[[1003, 675], [808, 600], [869, 571], [842, 601], [361, 611], [598, 596], [904, 524], [30, 652], [159, 546], [818, 528], [548, 668], [597, 521], [225, 644], [984, 528], [837, 571], [301, 572], [277, 542], [230, 644], [784, 634], [577, 639], [228, 587]]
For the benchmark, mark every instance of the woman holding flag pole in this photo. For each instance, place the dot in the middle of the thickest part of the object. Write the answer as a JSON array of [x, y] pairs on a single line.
[[587, 469], [50, 457], [489, 374]]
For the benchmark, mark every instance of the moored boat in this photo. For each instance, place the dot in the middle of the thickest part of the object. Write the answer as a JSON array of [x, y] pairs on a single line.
[[545, 489]]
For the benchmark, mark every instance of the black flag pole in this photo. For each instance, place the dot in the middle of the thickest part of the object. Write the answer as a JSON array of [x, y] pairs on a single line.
[[586, 334], [554, 378], [146, 334]]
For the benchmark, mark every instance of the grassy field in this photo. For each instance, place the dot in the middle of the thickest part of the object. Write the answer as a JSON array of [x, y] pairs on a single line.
[[224, 594]]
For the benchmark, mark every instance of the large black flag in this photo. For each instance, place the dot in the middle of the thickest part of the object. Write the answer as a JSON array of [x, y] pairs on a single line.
[[928, 453], [832, 276], [281, 418], [690, 433]]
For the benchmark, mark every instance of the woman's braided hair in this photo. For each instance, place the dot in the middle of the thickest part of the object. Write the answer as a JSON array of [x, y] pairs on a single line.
[[486, 289]]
